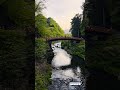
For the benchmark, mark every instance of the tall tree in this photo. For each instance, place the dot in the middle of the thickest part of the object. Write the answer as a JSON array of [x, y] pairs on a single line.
[[97, 13], [75, 26]]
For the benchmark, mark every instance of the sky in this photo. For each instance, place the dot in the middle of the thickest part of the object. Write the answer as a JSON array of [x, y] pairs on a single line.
[[62, 11]]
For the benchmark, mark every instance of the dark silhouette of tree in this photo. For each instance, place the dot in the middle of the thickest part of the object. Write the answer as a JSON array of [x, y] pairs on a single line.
[[101, 64], [39, 6], [75, 26], [17, 29], [114, 9], [16, 14], [98, 13]]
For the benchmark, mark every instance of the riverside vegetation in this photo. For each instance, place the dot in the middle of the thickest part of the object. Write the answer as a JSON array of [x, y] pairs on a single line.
[[16, 44], [45, 28]]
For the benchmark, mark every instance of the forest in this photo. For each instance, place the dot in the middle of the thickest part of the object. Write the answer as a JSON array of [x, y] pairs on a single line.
[[100, 50], [22, 43], [45, 28], [17, 45]]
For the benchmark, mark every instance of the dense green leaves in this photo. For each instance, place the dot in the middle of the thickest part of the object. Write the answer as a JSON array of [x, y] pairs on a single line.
[[79, 49], [75, 26], [17, 13], [14, 59], [42, 69], [103, 13], [42, 76], [40, 49], [55, 28], [75, 48], [105, 55], [21, 12], [16, 44], [47, 27]]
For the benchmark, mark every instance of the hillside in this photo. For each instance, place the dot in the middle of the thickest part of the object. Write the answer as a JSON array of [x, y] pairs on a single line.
[[47, 27]]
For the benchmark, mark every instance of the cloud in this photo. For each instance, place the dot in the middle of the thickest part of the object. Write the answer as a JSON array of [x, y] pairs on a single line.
[[63, 11]]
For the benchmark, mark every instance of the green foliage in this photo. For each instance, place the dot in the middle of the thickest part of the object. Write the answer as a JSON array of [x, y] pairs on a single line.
[[75, 48], [21, 12], [55, 28], [83, 25], [78, 49], [42, 69], [105, 55], [11, 51], [42, 76], [75, 29], [103, 13], [18, 13], [42, 27], [14, 59], [47, 27], [68, 35], [40, 49]]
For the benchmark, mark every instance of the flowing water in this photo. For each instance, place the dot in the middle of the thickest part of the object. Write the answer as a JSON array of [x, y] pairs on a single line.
[[67, 79]]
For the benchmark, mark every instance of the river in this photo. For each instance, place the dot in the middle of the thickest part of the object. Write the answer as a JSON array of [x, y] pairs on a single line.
[[68, 78]]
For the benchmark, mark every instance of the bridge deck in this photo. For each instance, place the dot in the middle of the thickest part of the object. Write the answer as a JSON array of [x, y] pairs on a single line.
[[64, 38]]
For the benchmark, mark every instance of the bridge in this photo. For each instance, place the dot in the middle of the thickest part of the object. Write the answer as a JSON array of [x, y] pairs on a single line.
[[50, 40], [64, 38]]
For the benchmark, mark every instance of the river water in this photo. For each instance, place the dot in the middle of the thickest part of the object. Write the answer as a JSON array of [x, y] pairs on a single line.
[[67, 79]]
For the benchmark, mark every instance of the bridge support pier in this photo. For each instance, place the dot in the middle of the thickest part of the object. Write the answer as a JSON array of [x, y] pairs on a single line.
[[49, 43]]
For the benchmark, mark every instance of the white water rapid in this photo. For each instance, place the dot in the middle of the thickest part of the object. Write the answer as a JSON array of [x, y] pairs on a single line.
[[67, 76]]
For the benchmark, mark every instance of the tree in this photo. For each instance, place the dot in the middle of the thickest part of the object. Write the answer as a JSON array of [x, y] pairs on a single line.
[[16, 14], [75, 26], [97, 12], [39, 6], [47, 27], [114, 6]]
